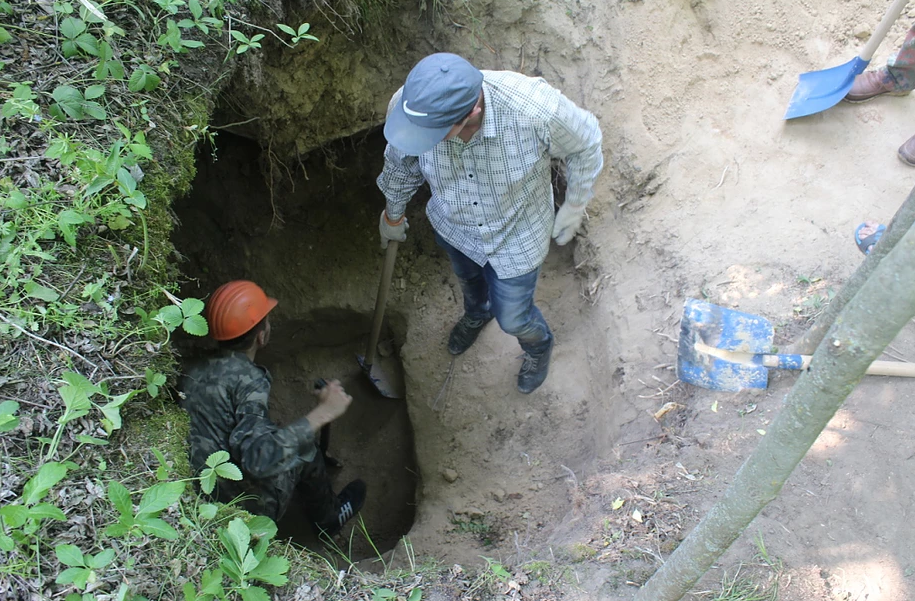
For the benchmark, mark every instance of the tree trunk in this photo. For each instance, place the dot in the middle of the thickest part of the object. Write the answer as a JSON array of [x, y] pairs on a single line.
[[900, 224], [869, 322]]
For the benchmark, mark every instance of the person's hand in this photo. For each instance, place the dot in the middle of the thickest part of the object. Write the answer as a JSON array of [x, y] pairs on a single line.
[[332, 403], [568, 220], [391, 230]]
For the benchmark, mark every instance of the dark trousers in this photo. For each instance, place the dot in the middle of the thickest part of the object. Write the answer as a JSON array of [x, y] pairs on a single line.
[[509, 300]]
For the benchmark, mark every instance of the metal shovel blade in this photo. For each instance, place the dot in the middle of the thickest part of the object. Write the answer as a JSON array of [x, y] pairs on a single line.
[[725, 329], [819, 90], [386, 375]]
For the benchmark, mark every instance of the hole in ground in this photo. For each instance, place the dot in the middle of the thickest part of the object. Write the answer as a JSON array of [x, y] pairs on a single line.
[[305, 244]]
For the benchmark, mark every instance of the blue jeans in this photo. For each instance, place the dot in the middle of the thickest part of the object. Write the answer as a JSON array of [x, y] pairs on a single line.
[[509, 300]]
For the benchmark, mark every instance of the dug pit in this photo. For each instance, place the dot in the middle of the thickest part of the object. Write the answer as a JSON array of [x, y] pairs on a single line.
[[303, 250]]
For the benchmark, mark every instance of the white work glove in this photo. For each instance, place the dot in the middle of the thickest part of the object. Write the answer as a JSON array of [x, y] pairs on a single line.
[[568, 220], [392, 232]]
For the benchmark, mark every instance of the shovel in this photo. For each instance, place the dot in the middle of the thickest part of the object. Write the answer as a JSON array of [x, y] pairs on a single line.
[[723, 349], [818, 90], [388, 376]]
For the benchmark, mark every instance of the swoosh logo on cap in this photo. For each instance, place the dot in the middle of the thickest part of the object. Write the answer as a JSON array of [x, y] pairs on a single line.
[[411, 112]]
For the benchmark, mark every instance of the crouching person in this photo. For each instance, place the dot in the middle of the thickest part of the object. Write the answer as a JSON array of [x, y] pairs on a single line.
[[227, 397]]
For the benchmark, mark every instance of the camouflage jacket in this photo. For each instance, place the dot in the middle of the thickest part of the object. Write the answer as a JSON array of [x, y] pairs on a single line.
[[226, 396]]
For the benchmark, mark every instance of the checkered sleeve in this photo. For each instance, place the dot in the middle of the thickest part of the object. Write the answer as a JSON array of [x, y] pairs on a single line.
[[399, 180], [575, 137]]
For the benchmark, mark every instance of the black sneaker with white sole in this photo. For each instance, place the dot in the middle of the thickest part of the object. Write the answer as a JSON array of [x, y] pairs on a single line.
[[349, 502]]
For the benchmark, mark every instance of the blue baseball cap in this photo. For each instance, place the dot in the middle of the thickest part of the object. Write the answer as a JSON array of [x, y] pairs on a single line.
[[439, 92]]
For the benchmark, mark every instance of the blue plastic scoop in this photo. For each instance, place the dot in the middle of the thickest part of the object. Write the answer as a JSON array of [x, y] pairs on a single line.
[[819, 90]]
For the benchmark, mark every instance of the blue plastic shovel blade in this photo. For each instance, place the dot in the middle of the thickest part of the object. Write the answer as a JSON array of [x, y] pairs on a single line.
[[716, 374], [727, 329], [819, 90], [724, 329]]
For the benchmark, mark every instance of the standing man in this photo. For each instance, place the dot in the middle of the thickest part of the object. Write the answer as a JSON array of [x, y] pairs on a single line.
[[483, 141], [227, 396]]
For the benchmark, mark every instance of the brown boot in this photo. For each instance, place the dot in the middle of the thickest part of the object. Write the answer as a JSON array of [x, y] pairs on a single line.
[[906, 152], [871, 84]]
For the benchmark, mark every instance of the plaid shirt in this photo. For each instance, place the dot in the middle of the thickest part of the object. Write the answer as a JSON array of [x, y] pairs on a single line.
[[491, 197]]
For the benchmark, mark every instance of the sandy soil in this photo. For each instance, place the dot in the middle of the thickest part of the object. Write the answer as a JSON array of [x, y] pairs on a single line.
[[707, 193]]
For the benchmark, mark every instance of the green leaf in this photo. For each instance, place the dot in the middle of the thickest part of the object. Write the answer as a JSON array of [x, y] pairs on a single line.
[[303, 29], [415, 595], [286, 29], [98, 184], [254, 593], [195, 8], [189, 591], [262, 527], [271, 570], [46, 511], [192, 44], [119, 222], [100, 560], [191, 306], [207, 480], [170, 316], [70, 100], [379, 594], [87, 43], [8, 421], [71, 28], [72, 575], [239, 536], [117, 530], [127, 182], [217, 458], [120, 497], [6, 543], [8, 407], [143, 79], [14, 515], [38, 486], [157, 527], [240, 36], [159, 497], [95, 91], [196, 325], [141, 150], [70, 555], [95, 110], [82, 438], [33, 290], [207, 511], [211, 583], [228, 471], [5, 36]]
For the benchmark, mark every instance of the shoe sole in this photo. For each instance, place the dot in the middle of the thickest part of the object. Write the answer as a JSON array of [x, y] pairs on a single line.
[[907, 161], [868, 99]]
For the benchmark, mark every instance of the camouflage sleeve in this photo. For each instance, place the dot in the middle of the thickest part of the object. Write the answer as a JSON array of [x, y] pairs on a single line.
[[263, 448]]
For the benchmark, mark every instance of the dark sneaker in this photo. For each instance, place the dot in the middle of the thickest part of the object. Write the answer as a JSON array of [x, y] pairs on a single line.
[[869, 85], [534, 369], [349, 502], [465, 333], [906, 152]]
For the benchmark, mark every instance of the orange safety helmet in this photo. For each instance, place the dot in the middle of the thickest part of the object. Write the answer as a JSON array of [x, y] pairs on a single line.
[[235, 308]]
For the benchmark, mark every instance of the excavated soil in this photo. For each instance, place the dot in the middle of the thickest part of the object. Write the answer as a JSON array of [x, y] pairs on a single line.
[[708, 193]]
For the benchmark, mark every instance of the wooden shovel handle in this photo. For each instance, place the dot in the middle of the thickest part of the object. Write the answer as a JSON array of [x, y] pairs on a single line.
[[384, 286], [889, 18], [877, 368], [882, 368]]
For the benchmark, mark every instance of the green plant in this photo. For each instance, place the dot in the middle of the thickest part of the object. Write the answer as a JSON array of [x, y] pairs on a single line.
[[8, 419], [82, 568], [143, 79], [21, 521], [77, 38], [297, 35], [77, 105], [217, 464], [145, 519], [245, 43], [242, 563], [184, 313]]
